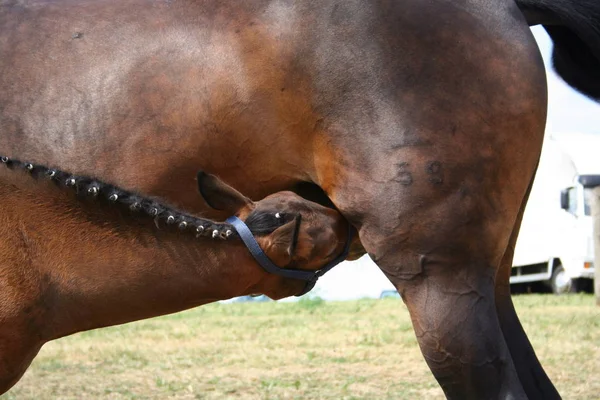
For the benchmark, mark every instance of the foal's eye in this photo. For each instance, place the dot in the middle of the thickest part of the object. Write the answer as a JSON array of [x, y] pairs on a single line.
[[281, 218]]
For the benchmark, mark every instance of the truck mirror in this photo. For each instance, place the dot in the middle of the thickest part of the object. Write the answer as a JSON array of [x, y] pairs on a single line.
[[564, 199]]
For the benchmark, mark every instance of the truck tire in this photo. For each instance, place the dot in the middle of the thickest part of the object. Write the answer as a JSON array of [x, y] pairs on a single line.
[[561, 283]]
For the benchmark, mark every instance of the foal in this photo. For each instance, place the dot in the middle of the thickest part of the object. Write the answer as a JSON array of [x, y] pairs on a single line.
[[78, 254]]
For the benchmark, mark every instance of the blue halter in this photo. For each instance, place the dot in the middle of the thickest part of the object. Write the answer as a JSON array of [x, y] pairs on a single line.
[[310, 277]]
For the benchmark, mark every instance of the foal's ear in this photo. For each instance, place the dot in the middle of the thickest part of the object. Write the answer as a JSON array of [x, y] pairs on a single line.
[[280, 245], [220, 195]]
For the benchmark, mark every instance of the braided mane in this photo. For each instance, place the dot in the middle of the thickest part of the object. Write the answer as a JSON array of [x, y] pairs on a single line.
[[104, 192]]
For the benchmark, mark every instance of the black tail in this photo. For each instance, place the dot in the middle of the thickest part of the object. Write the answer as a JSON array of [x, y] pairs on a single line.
[[574, 26]]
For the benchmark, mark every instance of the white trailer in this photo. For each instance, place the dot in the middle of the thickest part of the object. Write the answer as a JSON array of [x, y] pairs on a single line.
[[555, 244]]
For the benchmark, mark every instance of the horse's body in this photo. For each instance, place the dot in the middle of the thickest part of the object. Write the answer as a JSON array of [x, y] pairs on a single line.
[[422, 121], [75, 258]]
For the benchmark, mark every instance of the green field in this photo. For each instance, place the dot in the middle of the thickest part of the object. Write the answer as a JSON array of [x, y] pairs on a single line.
[[308, 350]]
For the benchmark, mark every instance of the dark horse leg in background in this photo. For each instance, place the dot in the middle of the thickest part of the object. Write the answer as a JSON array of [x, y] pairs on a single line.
[[576, 57], [531, 374], [422, 121]]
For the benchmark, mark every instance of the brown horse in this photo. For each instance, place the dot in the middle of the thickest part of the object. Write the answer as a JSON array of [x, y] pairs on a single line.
[[93, 255], [421, 121]]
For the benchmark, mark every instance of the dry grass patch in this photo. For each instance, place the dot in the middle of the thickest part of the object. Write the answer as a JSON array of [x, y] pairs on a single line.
[[309, 350]]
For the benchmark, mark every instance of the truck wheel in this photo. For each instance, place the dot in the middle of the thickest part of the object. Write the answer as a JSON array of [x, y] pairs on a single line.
[[560, 281]]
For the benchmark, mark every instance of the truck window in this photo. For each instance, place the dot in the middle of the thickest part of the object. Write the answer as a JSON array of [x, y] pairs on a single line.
[[587, 196], [573, 201]]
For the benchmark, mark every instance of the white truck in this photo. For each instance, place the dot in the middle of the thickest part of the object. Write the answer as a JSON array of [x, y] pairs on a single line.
[[555, 245]]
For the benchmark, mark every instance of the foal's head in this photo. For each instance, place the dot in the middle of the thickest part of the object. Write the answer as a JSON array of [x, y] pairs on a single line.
[[292, 231]]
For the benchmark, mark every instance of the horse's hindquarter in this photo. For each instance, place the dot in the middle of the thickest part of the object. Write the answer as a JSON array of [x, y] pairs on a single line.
[[434, 133], [440, 117]]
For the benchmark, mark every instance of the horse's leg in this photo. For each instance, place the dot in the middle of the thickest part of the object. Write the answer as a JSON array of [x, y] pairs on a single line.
[[536, 383], [442, 253], [437, 221], [16, 354], [454, 316]]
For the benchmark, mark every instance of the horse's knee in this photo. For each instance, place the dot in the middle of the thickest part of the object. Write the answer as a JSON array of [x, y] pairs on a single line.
[[458, 331], [451, 306]]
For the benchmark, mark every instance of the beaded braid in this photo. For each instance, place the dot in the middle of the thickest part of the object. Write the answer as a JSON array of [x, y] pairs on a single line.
[[93, 188]]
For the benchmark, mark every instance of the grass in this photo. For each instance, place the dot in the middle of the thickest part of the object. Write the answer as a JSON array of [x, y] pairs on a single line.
[[312, 349]]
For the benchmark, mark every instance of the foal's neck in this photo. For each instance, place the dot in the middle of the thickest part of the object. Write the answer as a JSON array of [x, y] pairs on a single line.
[[99, 265]]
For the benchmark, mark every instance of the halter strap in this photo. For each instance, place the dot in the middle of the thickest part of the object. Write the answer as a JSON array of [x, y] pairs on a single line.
[[310, 277]]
